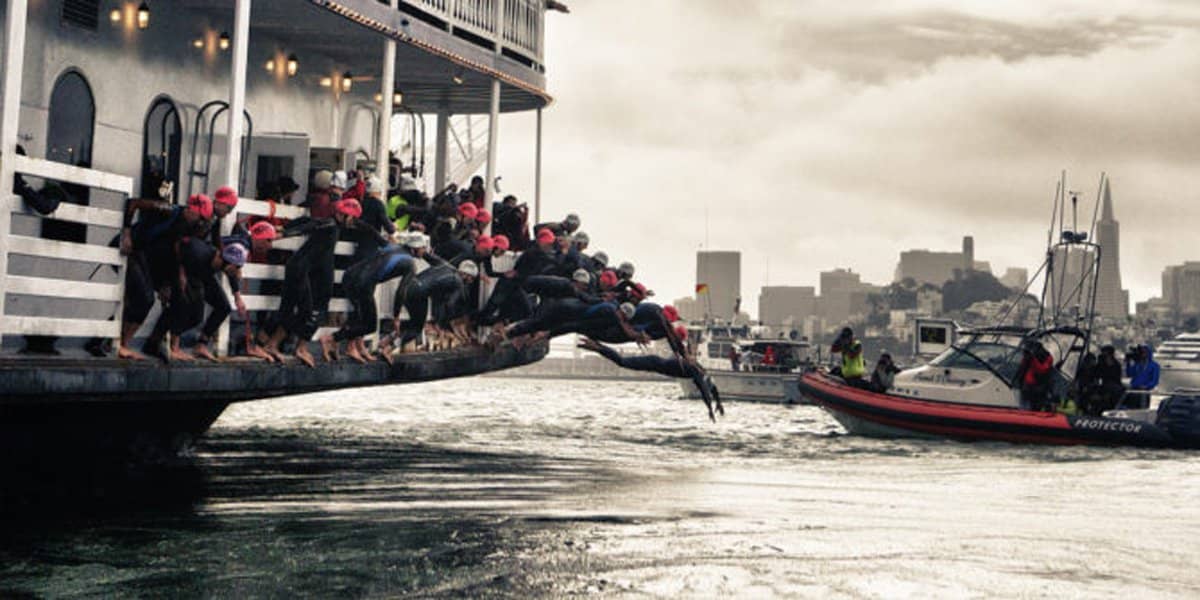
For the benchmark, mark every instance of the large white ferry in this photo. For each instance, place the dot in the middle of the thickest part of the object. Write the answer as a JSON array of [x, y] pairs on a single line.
[[107, 99]]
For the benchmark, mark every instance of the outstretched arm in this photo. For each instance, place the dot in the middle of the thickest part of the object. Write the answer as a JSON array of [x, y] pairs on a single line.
[[602, 350]]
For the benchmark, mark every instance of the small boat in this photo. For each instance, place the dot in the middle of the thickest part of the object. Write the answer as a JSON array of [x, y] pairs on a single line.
[[754, 380], [972, 390]]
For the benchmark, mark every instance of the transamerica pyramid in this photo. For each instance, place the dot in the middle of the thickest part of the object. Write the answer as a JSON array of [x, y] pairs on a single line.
[[1112, 301]]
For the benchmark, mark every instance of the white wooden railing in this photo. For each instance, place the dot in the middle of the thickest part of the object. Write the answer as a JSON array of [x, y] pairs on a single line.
[[521, 28], [47, 287]]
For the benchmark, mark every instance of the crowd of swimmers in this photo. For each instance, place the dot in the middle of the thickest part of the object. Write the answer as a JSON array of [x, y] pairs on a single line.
[[459, 273]]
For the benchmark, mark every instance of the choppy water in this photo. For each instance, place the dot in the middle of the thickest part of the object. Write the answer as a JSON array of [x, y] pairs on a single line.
[[490, 487]]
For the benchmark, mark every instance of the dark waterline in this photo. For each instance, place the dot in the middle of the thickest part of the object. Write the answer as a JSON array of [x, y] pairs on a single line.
[[488, 487]]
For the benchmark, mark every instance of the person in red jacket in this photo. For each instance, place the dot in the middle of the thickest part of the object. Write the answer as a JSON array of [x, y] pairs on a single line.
[[1034, 375]]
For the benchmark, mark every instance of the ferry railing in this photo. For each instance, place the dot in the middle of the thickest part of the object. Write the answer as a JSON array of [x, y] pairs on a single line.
[[524, 21], [98, 254], [521, 28]]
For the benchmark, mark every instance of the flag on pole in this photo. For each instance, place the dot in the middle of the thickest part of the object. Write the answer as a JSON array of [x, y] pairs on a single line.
[[701, 288]]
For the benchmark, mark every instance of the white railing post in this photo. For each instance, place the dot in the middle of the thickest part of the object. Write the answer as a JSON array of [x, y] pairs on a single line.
[[233, 138], [441, 150], [494, 118], [383, 153], [537, 172], [14, 60]]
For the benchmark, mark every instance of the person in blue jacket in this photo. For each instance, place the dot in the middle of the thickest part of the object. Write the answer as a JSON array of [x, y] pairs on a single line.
[[1142, 372]]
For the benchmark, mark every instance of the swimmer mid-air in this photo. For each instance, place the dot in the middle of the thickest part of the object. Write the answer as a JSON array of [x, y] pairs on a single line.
[[679, 366]]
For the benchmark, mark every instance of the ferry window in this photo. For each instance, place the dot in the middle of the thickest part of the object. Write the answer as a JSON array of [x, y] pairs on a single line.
[[162, 136], [71, 125]]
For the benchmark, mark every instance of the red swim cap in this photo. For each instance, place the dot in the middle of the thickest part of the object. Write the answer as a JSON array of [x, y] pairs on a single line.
[[608, 279], [671, 313], [545, 236], [483, 216], [681, 331], [349, 207], [467, 210], [227, 196], [500, 241], [485, 243], [262, 230], [202, 205]]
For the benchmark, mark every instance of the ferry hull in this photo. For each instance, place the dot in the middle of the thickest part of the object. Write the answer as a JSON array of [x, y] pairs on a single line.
[[867, 413], [63, 411]]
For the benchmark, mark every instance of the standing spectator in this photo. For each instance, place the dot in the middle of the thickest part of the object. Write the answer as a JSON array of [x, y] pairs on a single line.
[[375, 219], [320, 200], [476, 193], [1143, 374], [1034, 375]]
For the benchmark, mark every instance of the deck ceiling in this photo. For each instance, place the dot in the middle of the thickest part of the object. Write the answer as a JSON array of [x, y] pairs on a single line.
[[424, 78]]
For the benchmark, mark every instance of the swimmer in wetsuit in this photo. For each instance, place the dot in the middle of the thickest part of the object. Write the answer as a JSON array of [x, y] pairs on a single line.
[[443, 287], [152, 245], [308, 277], [679, 367], [359, 283]]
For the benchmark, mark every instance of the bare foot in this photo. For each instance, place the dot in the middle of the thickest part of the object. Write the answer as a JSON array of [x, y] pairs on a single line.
[[202, 351], [387, 356], [259, 353], [329, 351], [352, 352], [129, 354], [180, 355], [305, 356]]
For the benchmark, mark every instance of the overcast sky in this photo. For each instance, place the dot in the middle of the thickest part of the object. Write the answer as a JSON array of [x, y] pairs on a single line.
[[814, 135]]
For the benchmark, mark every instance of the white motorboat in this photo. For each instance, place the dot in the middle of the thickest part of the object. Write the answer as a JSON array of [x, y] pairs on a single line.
[[764, 370]]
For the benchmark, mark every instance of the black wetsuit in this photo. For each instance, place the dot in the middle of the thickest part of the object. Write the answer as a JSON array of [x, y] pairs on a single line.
[[359, 283], [508, 301], [670, 366], [561, 316], [152, 264], [449, 295], [375, 218], [196, 255], [553, 286], [536, 262], [308, 276]]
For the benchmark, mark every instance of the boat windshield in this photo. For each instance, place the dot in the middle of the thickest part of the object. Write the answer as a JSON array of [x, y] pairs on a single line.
[[1004, 359]]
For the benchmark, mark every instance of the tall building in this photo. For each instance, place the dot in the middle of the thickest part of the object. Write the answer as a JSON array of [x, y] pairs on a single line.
[[721, 274], [1181, 289], [780, 304], [843, 294], [926, 266], [1111, 300]]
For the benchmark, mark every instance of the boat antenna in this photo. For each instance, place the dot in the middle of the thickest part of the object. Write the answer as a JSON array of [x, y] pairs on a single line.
[[1074, 211], [1048, 265]]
